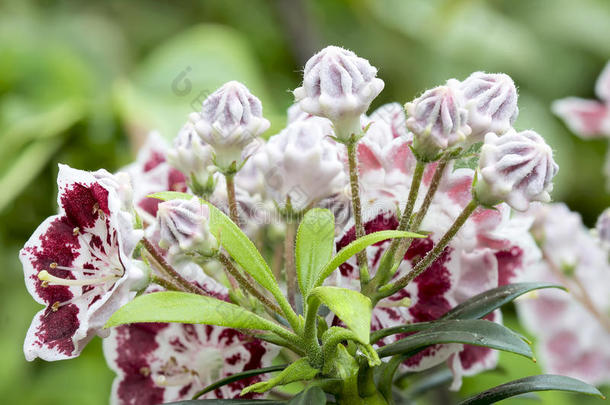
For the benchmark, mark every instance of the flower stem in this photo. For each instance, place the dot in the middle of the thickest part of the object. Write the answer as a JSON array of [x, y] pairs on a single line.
[[168, 285], [290, 267], [432, 255], [352, 150], [174, 276], [232, 270], [388, 259], [233, 211]]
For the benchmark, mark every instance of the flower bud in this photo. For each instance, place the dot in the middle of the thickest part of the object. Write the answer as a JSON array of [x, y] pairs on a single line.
[[183, 227], [438, 121], [304, 164], [193, 158], [602, 227], [230, 119], [491, 100], [338, 85], [517, 167]]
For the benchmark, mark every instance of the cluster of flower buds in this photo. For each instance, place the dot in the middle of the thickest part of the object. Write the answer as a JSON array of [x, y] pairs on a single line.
[[183, 227], [340, 86], [230, 119]]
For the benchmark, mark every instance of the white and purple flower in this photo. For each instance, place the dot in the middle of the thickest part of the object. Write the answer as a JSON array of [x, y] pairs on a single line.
[[78, 264]]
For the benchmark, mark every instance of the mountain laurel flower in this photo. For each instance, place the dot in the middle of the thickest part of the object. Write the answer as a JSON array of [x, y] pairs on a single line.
[[491, 100], [304, 164], [438, 121], [183, 227], [517, 167], [193, 158], [78, 264], [230, 119], [340, 86]]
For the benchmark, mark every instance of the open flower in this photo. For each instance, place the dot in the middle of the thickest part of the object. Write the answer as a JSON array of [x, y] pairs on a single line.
[[517, 167], [78, 263], [151, 173], [230, 119], [340, 86]]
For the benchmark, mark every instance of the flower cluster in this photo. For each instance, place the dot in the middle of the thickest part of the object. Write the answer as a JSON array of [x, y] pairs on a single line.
[[393, 169]]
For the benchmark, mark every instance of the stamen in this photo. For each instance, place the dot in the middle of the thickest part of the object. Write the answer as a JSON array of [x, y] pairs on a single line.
[[145, 371], [96, 207], [55, 306], [45, 276], [76, 231], [115, 271]]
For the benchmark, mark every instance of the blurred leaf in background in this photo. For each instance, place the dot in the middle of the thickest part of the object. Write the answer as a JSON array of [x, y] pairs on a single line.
[[82, 82]]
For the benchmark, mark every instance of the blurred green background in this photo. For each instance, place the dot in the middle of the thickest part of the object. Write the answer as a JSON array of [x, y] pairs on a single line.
[[81, 82]]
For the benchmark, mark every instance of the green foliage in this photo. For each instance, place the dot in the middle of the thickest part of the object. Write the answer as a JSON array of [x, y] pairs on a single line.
[[314, 246], [353, 308], [300, 370], [475, 332], [533, 383], [238, 376]]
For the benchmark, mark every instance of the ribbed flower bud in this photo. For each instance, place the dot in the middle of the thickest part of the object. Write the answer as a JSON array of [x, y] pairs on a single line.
[[303, 163], [438, 121], [230, 119], [183, 227], [491, 100], [338, 85], [193, 158], [517, 167]]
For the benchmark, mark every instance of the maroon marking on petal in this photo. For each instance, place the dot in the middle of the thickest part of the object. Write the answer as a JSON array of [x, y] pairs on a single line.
[[367, 159], [57, 245], [233, 359], [154, 160], [82, 203], [176, 181], [229, 335], [135, 343], [185, 390], [346, 269], [257, 351], [57, 328], [149, 205], [415, 360], [177, 345], [510, 261], [472, 355]]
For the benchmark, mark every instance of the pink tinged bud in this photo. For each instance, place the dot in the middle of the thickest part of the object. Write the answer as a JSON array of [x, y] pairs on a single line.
[[491, 100], [191, 156], [230, 119], [517, 167], [303, 164], [602, 86], [340, 86], [183, 227], [438, 121]]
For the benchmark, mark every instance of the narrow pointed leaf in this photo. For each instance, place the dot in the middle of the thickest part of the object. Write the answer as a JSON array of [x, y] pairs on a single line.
[[353, 308], [483, 304], [545, 382], [475, 332], [300, 370], [237, 377], [356, 246], [314, 246], [172, 306], [311, 395]]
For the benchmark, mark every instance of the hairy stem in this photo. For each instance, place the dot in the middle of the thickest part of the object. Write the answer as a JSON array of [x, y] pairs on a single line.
[[290, 267], [388, 259], [432, 255], [174, 276], [233, 211], [247, 285], [352, 151], [168, 285]]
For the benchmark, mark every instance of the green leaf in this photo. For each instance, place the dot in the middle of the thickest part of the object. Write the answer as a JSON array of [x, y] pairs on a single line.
[[237, 377], [173, 306], [300, 370], [475, 332], [358, 245], [241, 249], [469, 158], [311, 395], [483, 304], [353, 308], [314, 246], [545, 382]]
